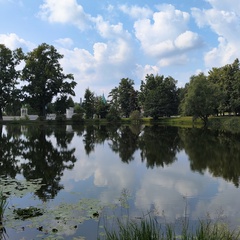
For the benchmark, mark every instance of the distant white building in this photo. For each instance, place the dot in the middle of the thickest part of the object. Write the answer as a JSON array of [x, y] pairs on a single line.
[[69, 112]]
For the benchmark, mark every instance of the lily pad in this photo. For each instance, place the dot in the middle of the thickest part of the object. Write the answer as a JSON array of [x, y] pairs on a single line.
[[24, 213]]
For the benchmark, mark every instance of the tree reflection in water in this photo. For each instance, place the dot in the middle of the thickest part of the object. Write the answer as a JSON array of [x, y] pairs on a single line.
[[33, 154], [44, 152], [159, 145], [217, 152], [10, 151]]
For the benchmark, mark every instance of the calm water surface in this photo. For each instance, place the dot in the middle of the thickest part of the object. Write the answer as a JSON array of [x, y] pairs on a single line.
[[90, 173]]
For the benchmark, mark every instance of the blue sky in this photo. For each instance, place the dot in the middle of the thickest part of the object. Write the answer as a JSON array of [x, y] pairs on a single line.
[[104, 41]]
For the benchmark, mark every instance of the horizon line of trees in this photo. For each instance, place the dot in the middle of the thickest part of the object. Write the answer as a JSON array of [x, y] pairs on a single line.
[[42, 79]]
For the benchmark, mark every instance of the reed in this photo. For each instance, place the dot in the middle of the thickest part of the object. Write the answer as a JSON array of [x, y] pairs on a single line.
[[150, 229]]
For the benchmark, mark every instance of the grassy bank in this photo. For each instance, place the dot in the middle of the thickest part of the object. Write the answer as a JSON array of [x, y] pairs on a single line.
[[223, 123], [150, 229]]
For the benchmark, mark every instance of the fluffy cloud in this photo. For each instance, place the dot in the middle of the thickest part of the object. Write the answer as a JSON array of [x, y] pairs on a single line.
[[168, 34], [65, 11], [110, 31], [100, 70], [13, 41], [225, 53], [225, 5], [136, 12], [142, 71], [223, 18], [65, 42]]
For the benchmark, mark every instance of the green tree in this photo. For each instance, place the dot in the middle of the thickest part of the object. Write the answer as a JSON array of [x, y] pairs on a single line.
[[101, 106], [114, 98], [159, 96], [113, 115], [45, 78], [201, 99], [128, 98], [227, 79], [78, 108], [62, 103], [124, 98], [8, 76], [88, 103], [234, 78]]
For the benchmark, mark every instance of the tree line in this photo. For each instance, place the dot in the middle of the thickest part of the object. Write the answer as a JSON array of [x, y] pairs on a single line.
[[42, 80]]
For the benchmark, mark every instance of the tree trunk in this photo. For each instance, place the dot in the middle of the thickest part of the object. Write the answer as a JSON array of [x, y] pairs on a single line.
[[205, 121]]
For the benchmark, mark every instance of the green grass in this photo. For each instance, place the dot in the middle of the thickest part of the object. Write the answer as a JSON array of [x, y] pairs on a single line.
[[150, 229]]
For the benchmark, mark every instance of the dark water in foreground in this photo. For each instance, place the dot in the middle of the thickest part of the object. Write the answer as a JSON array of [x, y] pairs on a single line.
[[83, 172]]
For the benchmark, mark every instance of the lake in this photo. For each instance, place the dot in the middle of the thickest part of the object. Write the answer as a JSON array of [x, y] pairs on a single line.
[[81, 176]]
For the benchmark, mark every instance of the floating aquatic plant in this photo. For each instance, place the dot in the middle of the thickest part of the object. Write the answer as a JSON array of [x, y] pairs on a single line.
[[29, 212]]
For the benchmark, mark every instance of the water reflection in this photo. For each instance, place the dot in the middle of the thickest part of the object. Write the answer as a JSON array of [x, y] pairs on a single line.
[[33, 154], [45, 152], [215, 151], [10, 151], [164, 168], [125, 143], [159, 145]]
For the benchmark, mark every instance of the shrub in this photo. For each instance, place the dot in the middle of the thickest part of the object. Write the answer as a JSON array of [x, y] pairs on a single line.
[[77, 118], [113, 115], [135, 116], [60, 118], [41, 118]]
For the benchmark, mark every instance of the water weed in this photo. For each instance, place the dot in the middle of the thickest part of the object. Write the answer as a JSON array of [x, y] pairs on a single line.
[[150, 229]]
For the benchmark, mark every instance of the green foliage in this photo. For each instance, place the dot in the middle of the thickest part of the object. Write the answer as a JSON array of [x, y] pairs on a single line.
[[45, 78], [158, 96], [101, 106], [148, 228], [60, 118], [77, 118], [227, 80], [78, 108], [9, 94], [128, 97], [124, 97], [62, 103], [88, 103], [135, 116], [113, 115], [201, 98]]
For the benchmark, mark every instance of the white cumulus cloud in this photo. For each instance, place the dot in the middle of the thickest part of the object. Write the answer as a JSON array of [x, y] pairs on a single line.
[[136, 12], [65, 11], [13, 41], [223, 18], [166, 34]]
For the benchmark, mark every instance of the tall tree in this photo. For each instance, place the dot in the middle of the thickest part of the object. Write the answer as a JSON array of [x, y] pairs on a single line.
[[127, 96], [201, 98], [124, 98], [159, 96], [101, 106], [114, 98], [8, 76], [227, 79], [88, 103], [45, 78], [62, 103]]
